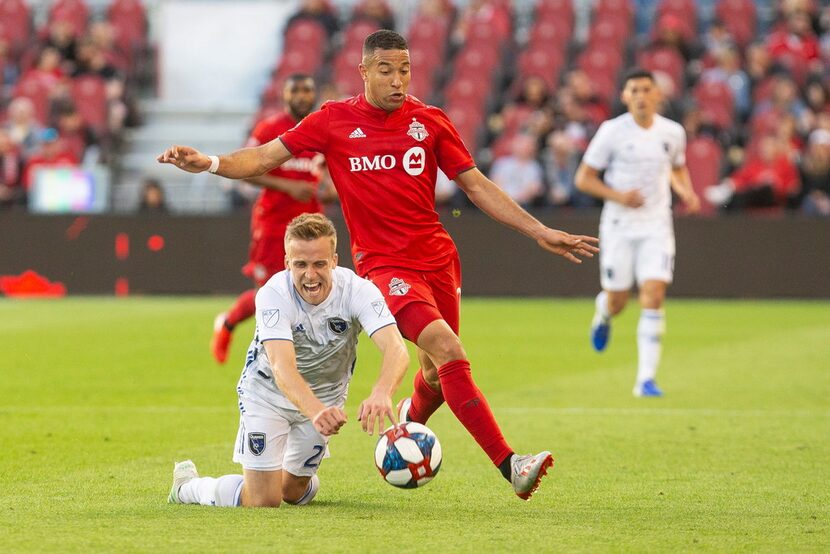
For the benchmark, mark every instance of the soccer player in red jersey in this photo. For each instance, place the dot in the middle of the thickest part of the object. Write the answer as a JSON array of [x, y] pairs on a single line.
[[288, 191], [383, 149]]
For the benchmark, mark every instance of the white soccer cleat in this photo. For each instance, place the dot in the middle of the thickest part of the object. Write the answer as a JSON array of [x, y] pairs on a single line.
[[182, 473], [527, 471]]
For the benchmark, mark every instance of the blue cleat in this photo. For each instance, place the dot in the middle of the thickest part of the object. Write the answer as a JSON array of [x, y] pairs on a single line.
[[600, 332], [647, 389]]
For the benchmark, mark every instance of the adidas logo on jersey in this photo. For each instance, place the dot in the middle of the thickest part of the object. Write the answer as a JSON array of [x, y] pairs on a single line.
[[358, 133]]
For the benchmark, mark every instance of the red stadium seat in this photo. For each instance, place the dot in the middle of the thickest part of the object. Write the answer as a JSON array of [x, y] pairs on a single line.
[[467, 120], [89, 95], [717, 105], [469, 91], [129, 21], [428, 31], [357, 31], [298, 61], [38, 92], [703, 158], [611, 33], [614, 9], [665, 59], [552, 34], [15, 24], [305, 33], [740, 19], [75, 12], [555, 10], [476, 60], [545, 64]]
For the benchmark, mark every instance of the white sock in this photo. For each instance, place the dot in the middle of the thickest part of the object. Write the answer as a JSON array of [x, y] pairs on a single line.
[[650, 332], [209, 491], [601, 304], [310, 492]]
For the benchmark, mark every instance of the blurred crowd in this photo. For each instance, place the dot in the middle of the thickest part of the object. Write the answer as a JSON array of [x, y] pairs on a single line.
[[748, 80], [67, 88]]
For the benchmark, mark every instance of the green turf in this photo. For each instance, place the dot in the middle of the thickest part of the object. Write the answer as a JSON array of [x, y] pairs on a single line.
[[98, 397]]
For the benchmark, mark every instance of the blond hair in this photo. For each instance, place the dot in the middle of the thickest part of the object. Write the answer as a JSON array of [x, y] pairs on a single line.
[[311, 227]]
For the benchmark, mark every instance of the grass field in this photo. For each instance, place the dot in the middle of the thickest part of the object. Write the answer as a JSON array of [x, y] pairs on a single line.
[[98, 397]]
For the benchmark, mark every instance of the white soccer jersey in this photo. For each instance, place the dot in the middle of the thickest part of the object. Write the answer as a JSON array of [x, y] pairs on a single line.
[[324, 336], [642, 159]]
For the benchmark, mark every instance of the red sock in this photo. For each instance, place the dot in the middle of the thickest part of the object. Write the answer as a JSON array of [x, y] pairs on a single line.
[[242, 309], [425, 399], [471, 408]]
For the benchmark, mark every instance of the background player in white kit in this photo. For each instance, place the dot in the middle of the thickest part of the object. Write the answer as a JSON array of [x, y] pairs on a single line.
[[643, 157], [297, 372]]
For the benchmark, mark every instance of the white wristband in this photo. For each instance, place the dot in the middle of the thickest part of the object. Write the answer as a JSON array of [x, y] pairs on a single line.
[[214, 164]]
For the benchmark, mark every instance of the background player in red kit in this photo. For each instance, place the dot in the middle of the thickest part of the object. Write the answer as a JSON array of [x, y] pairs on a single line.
[[383, 149], [292, 189]]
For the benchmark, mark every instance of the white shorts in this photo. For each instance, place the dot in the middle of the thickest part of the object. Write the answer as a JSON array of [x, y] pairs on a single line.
[[272, 438], [647, 258]]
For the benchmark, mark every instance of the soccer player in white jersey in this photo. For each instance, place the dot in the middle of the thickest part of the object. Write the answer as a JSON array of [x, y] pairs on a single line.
[[642, 155], [296, 376]]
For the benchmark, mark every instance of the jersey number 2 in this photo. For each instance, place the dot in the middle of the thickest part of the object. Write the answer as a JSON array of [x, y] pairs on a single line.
[[314, 460]]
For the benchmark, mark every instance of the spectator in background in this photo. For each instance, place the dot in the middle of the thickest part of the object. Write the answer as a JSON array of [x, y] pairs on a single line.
[[727, 70], [8, 68], [153, 199], [47, 71], [75, 134], [589, 103], [11, 168], [92, 60], [61, 37], [768, 180], [23, 127], [377, 11], [758, 63], [784, 99], [319, 11], [561, 158], [51, 153], [815, 174], [520, 174], [796, 46]]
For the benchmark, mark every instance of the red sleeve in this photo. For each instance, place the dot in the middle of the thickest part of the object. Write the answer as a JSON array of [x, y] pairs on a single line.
[[260, 134], [452, 156], [741, 177], [310, 134]]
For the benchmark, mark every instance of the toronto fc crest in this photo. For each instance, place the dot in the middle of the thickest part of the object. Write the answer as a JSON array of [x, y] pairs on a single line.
[[398, 287], [417, 130]]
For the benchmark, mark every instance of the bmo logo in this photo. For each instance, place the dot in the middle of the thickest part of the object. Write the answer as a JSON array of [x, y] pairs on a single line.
[[414, 162]]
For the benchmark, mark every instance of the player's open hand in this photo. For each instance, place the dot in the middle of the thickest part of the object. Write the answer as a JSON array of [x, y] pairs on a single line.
[[328, 421], [186, 158], [569, 246], [374, 410]]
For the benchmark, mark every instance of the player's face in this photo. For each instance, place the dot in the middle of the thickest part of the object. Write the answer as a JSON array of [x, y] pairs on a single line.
[[300, 96], [311, 263], [386, 75], [641, 96]]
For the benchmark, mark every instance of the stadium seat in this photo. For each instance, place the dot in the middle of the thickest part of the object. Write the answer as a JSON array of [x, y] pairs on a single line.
[[129, 21], [545, 64], [553, 34], [665, 59], [740, 19], [75, 12], [556, 10], [89, 95], [15, 25], [469, 91], [476, 60], [467, 120], [610, 33], [305, 33], [35, 90], [614, 9], [717, 105], [357, 31], [704, 157]]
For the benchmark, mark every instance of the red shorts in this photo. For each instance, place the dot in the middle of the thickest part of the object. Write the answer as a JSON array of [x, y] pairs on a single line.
[[266, 255], [417, 298]]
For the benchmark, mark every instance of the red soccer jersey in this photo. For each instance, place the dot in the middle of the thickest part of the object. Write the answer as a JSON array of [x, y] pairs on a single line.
[[273, 206], [384, 167]]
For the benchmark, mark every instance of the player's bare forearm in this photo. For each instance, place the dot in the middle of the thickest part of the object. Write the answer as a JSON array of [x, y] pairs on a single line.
[[497, 204], [395, 361], [681, 183], [587, 180], [284, 368], [241, 164]]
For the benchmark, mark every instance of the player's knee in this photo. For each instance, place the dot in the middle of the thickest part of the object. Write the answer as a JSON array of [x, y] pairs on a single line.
[[616, 303], [447, 348]]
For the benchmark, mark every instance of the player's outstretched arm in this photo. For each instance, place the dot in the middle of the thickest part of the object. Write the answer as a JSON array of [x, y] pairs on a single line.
[[493, 201], [242, 164], [588, 181], [327, 420], [681, 183], [393, 367]]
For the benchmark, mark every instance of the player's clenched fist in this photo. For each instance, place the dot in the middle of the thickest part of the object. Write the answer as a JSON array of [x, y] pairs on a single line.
[[186, 158], [328, 421]]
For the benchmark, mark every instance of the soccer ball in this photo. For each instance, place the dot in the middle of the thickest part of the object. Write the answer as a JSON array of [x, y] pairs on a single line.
[[408, 455]]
